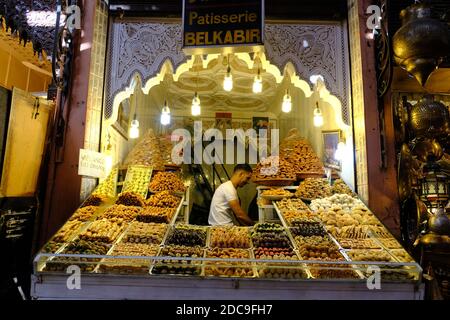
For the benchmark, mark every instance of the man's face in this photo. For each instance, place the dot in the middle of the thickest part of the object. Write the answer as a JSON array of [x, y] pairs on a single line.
[[244, 178]]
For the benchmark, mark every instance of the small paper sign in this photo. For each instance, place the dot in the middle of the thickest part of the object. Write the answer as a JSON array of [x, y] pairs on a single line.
[[92, 164]]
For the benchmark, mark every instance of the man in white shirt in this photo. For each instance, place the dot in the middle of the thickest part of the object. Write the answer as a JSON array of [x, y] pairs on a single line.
[[225, 206]]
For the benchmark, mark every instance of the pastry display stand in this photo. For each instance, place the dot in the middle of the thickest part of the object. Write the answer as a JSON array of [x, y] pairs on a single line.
[[266, 212]]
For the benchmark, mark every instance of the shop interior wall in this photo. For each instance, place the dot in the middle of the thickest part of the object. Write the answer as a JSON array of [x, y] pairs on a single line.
[[13, 73]]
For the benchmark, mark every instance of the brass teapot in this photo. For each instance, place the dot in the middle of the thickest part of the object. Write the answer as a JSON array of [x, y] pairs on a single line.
[[422, 43]]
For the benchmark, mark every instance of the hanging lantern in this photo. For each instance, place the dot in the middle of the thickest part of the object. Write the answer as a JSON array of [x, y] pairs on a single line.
[[422, 43], [434, 186], [429, 118]]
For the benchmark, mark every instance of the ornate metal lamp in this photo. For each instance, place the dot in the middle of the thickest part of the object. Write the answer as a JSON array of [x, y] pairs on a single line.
[[434, 189], [422, 43]]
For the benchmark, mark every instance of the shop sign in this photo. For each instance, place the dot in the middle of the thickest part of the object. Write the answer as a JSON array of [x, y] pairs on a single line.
[[214, 24], [92, 164]]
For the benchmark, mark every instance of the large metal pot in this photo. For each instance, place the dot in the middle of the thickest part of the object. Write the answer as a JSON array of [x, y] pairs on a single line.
[[429, 118], [422, 42]]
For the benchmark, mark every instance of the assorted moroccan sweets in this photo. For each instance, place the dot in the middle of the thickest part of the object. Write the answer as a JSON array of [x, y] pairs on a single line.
[[314, 188], [178, 265], [103, 230], [186, 235], [230, 237], [156, 215], [228, 268], [137, 180], [84, 214], [107, 188], [136, 232], [120, 212], [166, 181], [277, 192], [147, 152], [291, 205], [78, 247], [163, 199], [273, 168], [129, 265], [149, 233], [300, 154], [131, 199], [94, 200]]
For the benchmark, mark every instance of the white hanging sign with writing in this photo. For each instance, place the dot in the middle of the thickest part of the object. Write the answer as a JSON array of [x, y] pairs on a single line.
[[92, 164]]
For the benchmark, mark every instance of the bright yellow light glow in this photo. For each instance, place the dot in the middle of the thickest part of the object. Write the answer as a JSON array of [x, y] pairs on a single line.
[[287, 103]]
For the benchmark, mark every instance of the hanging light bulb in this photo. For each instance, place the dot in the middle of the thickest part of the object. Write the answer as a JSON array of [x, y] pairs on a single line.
[[196, 109], [287, 102], [165, 114], [228, 80], [257, 83], [134, 128], [318, 118]]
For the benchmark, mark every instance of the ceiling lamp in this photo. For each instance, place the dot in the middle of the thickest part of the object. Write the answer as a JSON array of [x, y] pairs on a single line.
[[134, 128], [196, 109], [257, 83], [318, 117], [228, 80], [287, 102], [165, 114]]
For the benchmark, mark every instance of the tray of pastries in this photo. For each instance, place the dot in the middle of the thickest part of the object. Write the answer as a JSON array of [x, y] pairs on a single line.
[[273, 171], [275, 194], [229, 268], [129, 265]]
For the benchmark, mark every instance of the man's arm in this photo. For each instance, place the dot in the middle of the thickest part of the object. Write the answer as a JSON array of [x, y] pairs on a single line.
[[242, 217]]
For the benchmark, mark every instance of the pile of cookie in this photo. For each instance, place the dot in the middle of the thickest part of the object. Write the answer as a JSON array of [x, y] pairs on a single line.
[[147, 152], [300, 154], [314, 188], [273, 168], [166, 181]]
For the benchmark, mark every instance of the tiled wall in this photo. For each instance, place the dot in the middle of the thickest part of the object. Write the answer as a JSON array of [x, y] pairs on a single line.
[[95, 94], [358, 100]]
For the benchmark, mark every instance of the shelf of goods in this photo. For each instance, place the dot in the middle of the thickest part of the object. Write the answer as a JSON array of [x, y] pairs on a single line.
[[123, 256]]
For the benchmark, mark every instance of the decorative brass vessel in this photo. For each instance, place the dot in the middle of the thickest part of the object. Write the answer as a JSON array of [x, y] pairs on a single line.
[[439, 222], [429, 118], [422, 42], [428, 149]]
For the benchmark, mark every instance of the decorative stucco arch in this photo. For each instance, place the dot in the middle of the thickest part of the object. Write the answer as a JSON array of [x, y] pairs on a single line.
[[150, 49]]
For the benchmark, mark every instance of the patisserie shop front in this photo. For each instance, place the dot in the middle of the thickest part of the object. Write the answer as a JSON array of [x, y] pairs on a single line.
[[177, 117]]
